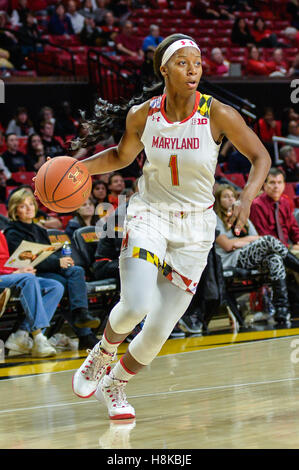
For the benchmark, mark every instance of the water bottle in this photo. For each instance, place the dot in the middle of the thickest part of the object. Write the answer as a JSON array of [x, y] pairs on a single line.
[[67, 251]]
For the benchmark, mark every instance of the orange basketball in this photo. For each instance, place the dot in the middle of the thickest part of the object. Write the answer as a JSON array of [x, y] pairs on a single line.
[[63, 184]]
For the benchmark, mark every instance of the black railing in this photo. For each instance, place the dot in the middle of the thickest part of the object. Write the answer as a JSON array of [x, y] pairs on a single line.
[[112, 80], [36, 56]]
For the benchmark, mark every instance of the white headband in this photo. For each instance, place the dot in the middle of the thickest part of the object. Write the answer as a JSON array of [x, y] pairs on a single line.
[[175, 46]]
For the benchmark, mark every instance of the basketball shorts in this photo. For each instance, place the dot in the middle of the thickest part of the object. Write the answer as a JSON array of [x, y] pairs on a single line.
[[176, 242]]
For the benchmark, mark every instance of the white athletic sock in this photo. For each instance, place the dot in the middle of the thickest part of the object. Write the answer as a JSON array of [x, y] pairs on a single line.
[[107, 345], [120, 372]]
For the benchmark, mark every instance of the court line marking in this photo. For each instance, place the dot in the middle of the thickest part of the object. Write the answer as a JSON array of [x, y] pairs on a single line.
[[212, 348], [169, 392]]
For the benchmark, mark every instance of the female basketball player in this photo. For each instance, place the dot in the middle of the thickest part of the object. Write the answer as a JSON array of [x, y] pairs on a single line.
[[170, 224]]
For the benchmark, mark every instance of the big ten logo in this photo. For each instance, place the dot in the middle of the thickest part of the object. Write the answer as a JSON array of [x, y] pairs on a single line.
[[76, 175], [295, 93], [199, 121], [295, 354]]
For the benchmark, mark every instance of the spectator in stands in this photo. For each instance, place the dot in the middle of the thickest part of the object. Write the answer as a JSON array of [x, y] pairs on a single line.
[[153, 39], [241, 33], [127, 43], [255, 65], [288, 114], [18, 15], [262, 36], [218, 64], [292, 35], [36, 151], [290, 165], [46, 114], [293, 129], [266, 127], [277, 66], [60, 23], [99, 192], [249, 250], [22, 208], [42, 218], [39, 298], [76, 18], [21, 125], [52, 146], [66, 124], [10, 43], [91, 35], [237, 163], [120, 9], [30, 37], [292, 8], [116, 185], [100, 12], [109, 29], [87, 9], [147, 74], [294, 69], [84, 217], [271, 213], [13, 159], [212, 9], [106, 264]]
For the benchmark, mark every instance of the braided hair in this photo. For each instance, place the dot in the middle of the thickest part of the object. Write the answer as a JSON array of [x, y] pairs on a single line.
[[111, 117]]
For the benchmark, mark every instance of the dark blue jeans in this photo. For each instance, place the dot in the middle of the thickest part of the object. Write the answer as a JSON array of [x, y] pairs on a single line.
[[73, 280], [39, 298]]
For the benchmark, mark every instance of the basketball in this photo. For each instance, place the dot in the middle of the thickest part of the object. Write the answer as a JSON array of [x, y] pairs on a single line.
[[63, 184]]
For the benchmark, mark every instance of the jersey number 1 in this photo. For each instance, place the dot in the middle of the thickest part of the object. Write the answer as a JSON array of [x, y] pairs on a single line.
[[173, 164]]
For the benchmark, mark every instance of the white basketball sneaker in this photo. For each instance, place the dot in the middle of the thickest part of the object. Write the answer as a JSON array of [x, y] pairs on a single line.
[[87, 377], [111, 392]]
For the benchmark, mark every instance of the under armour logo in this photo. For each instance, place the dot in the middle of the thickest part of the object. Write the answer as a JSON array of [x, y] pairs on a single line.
[[190, 42], [154, 118], [74, 176]]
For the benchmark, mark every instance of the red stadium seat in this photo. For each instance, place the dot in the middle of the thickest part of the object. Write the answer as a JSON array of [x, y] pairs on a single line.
[[24, 177], [236, 178]]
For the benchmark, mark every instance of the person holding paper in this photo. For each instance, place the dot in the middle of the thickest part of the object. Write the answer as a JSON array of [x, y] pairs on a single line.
[[39, 298]]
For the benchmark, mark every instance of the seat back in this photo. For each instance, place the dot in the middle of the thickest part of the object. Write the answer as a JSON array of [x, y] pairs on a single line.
[[86, 240]]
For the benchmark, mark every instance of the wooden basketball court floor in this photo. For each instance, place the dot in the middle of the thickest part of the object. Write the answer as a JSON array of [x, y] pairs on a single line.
[[217, 391]]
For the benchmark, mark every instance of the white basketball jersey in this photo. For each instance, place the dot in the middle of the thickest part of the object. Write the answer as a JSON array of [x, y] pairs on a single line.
[[181, 157]]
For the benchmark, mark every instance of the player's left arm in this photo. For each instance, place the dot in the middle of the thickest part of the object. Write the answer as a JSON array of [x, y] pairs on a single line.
[[226, 121]]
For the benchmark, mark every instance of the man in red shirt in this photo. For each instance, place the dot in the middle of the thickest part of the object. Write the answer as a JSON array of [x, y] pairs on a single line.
[[271, 213], [116, 185], [127, 43]]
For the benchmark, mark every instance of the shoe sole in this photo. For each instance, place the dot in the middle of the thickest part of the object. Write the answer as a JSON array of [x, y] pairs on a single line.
[[88, 324], [126, 416], [81, 396]]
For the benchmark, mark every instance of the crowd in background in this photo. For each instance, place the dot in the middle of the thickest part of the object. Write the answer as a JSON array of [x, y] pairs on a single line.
[[109, 23]]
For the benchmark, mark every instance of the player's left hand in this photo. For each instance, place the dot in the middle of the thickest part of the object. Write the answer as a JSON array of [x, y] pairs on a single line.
[[240, 213]]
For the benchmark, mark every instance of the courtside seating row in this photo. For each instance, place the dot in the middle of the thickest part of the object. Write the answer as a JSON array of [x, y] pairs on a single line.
[[102, 294]]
